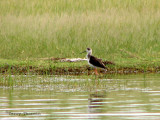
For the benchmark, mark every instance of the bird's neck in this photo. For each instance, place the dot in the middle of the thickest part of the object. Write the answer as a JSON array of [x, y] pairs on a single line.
[[89, 55]]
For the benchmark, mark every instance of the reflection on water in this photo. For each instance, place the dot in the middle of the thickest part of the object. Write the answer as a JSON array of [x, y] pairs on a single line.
[[73, 97], [96, 103]]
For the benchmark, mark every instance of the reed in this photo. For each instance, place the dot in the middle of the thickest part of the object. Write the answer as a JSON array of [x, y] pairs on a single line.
[[64, 28]]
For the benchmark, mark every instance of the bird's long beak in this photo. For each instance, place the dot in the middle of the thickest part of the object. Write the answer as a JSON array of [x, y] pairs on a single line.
[[83, 52]]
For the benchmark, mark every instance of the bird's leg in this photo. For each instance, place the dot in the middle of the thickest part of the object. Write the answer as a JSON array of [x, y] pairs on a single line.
[[95, 70]]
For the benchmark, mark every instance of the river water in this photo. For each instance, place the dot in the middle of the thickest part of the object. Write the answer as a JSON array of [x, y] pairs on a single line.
[[111, 97]]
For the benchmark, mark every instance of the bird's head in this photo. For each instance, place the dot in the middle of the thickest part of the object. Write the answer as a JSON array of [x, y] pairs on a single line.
[[88, 50]]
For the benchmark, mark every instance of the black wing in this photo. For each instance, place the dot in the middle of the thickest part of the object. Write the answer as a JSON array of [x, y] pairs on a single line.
[[96, 62]]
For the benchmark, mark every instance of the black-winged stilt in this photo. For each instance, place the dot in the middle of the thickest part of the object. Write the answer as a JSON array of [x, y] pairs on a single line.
[[93, 61]]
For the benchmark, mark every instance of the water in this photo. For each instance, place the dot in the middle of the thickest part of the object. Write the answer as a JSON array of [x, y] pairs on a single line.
[[123, 97]]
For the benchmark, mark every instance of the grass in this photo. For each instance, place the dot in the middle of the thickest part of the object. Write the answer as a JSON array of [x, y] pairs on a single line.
[[123, 31], [48, 67]]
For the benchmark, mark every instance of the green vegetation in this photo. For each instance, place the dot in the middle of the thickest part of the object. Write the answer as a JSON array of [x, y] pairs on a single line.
[[124, 31], [48, 67]]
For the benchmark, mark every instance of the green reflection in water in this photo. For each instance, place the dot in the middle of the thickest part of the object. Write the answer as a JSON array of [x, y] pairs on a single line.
[[104, 97]]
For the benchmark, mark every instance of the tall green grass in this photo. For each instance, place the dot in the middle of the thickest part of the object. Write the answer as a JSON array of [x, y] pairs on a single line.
[[64, 28]]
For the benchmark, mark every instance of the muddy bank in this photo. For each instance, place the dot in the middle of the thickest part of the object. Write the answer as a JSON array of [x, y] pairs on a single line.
[[73, 70]]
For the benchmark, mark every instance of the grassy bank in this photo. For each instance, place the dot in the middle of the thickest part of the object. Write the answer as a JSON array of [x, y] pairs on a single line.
[[123, 31], [50, 67]]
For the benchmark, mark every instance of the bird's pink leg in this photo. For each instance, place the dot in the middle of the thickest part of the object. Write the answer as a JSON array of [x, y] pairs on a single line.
[[95, 70]]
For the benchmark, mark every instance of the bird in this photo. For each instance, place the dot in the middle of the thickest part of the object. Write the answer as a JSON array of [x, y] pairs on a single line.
[[93, 61]]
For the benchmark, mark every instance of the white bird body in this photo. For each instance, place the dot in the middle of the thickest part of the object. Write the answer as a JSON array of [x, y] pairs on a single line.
[[93, 61]]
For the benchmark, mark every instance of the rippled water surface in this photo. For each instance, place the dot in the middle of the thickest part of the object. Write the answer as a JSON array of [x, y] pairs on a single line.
[[121, 97]]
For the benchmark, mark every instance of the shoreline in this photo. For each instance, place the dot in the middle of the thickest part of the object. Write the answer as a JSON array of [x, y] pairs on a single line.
[[57, 66], [84, 70]]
